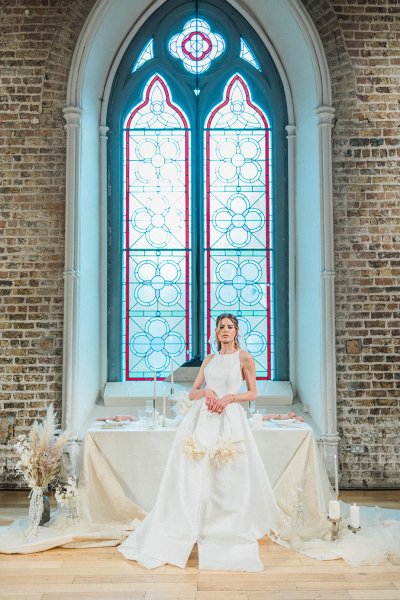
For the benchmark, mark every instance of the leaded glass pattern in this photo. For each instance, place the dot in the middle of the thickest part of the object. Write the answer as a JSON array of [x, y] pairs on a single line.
[[247, 54], [196, 46], [238, 224], [156, 262], [146, 54]]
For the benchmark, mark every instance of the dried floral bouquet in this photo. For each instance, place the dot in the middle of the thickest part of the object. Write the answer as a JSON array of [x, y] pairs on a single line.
[[40, 454]]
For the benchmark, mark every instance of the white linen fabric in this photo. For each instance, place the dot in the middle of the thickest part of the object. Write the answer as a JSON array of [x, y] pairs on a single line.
[[224, 508]]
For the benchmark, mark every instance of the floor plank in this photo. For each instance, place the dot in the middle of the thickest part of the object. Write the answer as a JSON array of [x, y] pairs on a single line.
[[104, 574]]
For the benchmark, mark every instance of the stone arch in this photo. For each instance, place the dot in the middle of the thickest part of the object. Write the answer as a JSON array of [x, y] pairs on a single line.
[[294, 44]]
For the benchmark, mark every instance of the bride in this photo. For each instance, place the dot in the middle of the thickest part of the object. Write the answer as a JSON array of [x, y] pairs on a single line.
[[215, 491]]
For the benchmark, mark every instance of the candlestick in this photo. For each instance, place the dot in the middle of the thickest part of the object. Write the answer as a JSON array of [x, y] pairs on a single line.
[[164, 410], [154, 394], [172, 377], [336, 479], [334, 509], [354, 516]]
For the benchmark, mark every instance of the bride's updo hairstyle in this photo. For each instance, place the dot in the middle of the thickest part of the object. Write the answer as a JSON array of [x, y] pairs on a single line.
[[235, 322]]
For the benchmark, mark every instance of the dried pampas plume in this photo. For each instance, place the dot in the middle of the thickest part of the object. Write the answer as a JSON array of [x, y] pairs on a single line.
[[192, 449], [226, 451]]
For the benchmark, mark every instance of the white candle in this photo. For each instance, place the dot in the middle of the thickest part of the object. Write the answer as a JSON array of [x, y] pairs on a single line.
[[334, 509], [355, 516], [336, 479], [257, 421], [172, 377], [164, 409]]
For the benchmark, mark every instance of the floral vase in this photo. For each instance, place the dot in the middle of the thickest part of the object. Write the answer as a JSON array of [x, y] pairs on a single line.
[[39, 511], [46, 510]]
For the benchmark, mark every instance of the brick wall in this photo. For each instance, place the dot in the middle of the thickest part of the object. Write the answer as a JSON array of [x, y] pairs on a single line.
[[362, 44], [37, 41]]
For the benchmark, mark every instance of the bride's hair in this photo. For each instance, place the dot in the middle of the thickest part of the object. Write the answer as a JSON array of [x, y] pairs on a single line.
[[235, 322]]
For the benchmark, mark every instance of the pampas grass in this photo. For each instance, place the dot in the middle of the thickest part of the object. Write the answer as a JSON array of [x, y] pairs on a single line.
[[192, 449], [40, 451], [225, 451]]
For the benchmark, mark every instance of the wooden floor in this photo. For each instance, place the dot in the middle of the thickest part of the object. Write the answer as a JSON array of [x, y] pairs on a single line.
[[104, 574]]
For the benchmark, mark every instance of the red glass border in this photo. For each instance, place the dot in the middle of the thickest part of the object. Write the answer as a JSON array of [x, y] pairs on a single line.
[[239, 79], [155, 79]]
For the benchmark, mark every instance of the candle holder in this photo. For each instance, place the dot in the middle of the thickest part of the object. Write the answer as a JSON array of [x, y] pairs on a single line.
[[353, 529], [335, 527]]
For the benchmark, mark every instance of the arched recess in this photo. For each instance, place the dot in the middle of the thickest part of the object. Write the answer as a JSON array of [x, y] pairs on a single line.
[[293, 42]]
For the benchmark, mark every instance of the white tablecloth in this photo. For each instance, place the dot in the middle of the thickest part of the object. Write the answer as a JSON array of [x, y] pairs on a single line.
[[122, 471], [123, 468]]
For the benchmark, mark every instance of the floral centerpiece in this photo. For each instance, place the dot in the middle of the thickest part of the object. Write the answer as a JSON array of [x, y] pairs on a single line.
[[40, 453], [67, 496]]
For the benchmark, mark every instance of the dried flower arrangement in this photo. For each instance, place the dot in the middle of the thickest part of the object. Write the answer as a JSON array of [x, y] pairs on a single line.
[[40, 453], [224, 452], [68, 497], [192, 449]]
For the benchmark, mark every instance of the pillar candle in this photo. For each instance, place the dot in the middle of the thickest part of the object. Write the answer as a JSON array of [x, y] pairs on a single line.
[[334, 509], [355, 516]]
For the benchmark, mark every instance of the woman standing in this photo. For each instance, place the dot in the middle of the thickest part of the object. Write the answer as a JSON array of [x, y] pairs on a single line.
[[215, 490]]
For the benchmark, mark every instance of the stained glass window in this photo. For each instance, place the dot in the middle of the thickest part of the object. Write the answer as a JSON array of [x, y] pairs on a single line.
[[248, 55], [198, 209], [196, 45], [156, 257], [238, 225], [146, 54]]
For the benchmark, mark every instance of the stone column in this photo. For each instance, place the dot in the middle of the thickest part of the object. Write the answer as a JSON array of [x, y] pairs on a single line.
[[72, 116], [330, 436]]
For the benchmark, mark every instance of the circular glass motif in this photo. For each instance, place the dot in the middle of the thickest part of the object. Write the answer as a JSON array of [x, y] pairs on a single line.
[[238, 283], [256, 343], [157, 220], [156, 344], [196, 46], [157, 283], [238, 220]]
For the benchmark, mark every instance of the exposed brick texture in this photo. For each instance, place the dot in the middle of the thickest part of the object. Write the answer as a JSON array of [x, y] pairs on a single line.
[[37, 42], [362, 44]]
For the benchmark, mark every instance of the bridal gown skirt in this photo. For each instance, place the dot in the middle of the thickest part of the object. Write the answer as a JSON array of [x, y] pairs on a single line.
[[224, 509]]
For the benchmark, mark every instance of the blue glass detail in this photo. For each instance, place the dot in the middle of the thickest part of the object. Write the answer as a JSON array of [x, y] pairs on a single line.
[[248, 55], [146, 54]]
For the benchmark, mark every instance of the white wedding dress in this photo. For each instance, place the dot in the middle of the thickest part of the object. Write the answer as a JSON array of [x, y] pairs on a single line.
[[214, 492]]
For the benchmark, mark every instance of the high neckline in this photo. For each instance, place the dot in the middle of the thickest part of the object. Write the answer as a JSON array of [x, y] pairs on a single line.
[[228, 353]]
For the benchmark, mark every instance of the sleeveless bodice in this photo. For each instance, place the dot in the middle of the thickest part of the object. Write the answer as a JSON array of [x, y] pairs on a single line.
[[223, 374]]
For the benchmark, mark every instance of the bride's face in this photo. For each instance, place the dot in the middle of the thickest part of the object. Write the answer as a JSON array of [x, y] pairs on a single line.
[[226, 331]]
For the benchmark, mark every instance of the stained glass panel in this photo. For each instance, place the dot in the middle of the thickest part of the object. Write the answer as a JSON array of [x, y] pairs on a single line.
[[238, 224], [196, 46], [248, 55], [156, 263], [146, 54]]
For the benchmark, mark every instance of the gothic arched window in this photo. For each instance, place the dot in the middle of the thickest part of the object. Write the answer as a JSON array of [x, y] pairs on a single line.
[[197, 194]]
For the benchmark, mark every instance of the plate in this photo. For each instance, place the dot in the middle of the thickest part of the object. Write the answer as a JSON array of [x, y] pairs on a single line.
[[284, 422]]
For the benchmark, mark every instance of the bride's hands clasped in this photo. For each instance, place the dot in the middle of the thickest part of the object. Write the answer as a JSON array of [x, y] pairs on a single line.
[[219, 404], [210, 398]]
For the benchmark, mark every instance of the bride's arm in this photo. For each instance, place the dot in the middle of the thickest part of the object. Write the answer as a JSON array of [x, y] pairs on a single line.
[[249, 373], [196, 392]]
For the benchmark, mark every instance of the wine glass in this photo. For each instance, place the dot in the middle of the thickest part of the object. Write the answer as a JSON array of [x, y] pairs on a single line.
[[252, 407]]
